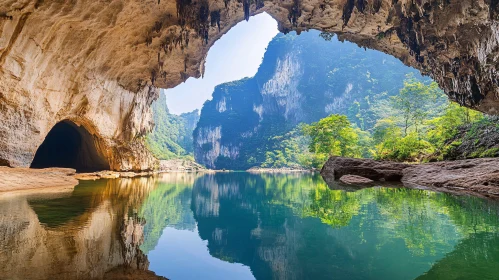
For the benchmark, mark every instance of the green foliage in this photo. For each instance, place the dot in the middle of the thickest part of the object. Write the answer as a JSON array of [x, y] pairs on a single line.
[[172, 134], [416, 102], [446, 126], [333, 135], [415, 124], [376, 107], [330, 77]]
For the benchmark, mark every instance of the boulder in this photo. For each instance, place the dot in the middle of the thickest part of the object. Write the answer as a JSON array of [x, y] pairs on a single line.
[[336, 167], [355, 180]]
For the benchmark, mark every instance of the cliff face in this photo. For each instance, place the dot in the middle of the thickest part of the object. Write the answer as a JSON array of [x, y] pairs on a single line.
[[172, 134], [98, 63], [301, 80]]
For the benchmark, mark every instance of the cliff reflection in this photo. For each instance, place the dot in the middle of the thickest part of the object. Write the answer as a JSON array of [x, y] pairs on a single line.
[[91, 232], [266, 226], [295, 227]]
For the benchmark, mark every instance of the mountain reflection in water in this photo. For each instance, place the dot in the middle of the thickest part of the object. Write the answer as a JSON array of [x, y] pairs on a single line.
[[245, 226]]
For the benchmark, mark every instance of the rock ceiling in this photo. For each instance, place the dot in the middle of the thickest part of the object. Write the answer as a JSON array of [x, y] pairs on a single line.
[[99, 63]]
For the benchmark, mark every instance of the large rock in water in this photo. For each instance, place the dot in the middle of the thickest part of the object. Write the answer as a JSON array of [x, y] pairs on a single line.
[[336, 167], [98, 63], [472, 176], [355, 180]]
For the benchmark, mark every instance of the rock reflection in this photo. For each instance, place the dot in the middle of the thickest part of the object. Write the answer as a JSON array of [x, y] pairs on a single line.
[[94, 232], [296, 227], [280, 226]]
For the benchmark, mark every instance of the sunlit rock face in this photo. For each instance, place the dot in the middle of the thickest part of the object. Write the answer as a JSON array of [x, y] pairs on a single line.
[[301, 79], [99, 63]]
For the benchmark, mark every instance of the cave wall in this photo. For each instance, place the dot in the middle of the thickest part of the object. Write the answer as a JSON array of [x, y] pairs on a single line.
[[98, 63]]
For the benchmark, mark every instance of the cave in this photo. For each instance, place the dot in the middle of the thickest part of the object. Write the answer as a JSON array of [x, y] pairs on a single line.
[[71, 146]]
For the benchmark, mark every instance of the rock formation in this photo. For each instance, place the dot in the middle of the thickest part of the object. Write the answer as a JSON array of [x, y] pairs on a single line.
[[98, 63], [101, 242], [301, 79], [337, 167], [478, 177]]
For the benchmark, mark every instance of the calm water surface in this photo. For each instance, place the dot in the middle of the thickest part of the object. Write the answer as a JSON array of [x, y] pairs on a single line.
[[245, 226]]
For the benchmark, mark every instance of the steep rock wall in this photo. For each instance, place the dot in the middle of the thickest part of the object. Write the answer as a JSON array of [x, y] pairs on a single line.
[[98, 62], [301, 80]]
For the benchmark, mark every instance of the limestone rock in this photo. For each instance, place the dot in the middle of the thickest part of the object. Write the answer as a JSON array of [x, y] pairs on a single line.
[[479, 177], [16, 179], [336, 167], [98, 63], [472, 176], [180, 165], [355, 180]]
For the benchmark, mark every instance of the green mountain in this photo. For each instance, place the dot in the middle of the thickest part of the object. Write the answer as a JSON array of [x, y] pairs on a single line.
[[301, 80], [172, 134]]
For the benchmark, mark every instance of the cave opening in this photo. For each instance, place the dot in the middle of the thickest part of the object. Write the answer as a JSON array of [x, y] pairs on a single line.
[[71, 146]]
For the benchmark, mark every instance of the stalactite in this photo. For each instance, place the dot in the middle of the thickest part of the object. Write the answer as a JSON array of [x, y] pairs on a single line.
[[203, 17], [259, 4], [246, 7], [361, 5], [215, 19], [153, 76], [5, 16], [294, 13], [377, 5], [347, 11]]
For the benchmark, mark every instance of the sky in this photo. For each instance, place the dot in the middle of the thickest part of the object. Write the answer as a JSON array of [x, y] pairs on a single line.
[[234, 56]]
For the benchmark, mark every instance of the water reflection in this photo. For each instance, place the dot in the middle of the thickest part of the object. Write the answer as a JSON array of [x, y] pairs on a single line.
[[91, 232], [244, 226]]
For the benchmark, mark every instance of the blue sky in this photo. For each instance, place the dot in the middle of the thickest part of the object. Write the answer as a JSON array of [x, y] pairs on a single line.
[[235, 56]]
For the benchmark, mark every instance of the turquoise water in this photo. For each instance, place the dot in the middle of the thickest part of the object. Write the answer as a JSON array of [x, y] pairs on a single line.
[[247, 226]]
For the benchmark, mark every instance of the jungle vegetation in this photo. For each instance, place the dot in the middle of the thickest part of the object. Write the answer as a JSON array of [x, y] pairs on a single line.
[[172, 134], [416, 125]]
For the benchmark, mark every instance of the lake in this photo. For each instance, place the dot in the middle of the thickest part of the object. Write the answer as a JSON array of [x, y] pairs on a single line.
[[239, 225]]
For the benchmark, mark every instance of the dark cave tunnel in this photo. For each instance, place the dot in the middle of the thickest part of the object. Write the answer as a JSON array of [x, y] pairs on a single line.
[[71, 146]]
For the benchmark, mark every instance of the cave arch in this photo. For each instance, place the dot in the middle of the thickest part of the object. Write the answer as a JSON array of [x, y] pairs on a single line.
[[72, 146]]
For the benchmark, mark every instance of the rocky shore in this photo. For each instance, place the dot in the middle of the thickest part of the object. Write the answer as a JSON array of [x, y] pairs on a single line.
[[180, 165], [19, 179], [479, 177], [277, 170]]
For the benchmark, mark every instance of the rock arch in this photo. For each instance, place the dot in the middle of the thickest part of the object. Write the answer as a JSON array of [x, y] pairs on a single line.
[[103, 60]]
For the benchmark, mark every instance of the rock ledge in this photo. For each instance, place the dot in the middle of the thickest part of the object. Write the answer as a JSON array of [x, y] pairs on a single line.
[[478, 177]]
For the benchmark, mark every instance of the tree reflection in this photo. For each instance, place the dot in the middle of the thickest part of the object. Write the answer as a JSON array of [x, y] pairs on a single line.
[[270, 223]]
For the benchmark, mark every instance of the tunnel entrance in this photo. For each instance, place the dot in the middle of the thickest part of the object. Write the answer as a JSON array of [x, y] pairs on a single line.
[[71, 146]]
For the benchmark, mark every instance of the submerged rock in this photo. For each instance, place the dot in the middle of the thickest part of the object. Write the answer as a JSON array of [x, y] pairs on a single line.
[[355, 180]]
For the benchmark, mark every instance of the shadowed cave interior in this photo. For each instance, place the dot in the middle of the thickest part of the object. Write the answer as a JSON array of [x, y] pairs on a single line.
[[71, 146]]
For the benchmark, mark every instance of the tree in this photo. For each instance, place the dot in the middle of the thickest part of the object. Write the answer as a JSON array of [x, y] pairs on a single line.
[[333, 135], [446, 126], [385, 136], [415, 102]]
